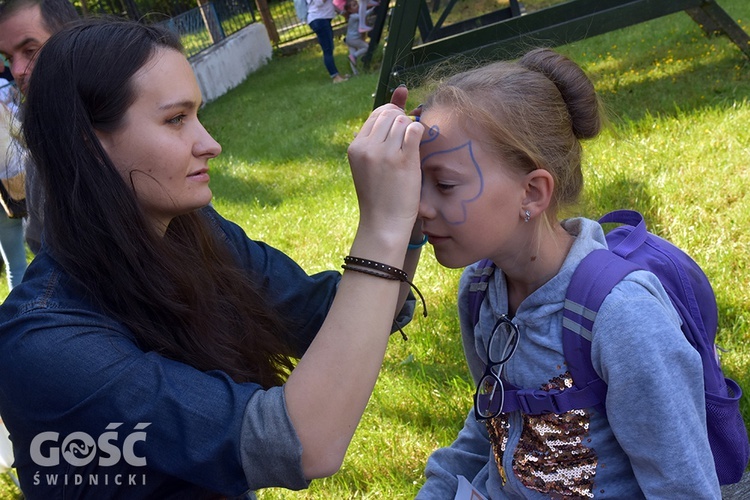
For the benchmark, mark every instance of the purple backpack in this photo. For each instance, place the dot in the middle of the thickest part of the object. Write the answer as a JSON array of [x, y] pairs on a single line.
[[632, 247]]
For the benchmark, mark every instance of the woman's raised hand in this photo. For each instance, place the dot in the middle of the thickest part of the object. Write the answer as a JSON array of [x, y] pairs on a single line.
[[384, 159]]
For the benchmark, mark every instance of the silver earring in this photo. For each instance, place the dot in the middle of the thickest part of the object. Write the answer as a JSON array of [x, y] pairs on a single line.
[[526, 216]]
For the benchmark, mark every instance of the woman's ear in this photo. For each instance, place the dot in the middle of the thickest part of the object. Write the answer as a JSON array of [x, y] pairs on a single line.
[[539, 186]]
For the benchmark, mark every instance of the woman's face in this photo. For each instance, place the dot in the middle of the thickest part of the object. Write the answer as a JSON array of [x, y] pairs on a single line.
[[161, 149], [471, 199]]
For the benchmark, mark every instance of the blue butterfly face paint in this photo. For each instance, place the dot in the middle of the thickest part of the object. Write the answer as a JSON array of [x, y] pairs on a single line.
[[454, 210], [469, 201]]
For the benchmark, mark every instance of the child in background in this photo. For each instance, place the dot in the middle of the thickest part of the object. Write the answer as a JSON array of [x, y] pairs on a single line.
[[355, 18], [501, 156], [364, 10]]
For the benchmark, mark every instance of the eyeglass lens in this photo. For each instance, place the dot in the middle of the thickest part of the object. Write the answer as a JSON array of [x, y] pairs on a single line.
[[489, 401], [503, 342]]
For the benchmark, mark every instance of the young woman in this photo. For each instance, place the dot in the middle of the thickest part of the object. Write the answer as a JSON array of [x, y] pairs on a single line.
[[319, 16], [501, 156], [149, 351]]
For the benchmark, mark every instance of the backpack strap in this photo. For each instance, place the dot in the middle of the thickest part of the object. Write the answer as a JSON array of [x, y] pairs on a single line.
[[591, 390], [637, 236], [592, 281]]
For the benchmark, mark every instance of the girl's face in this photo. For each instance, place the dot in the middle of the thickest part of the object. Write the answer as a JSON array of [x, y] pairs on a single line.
[[353, 7], [161, 149], [471, 202]]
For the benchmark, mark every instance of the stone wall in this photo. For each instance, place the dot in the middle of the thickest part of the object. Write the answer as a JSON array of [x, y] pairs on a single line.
[[226, 64]]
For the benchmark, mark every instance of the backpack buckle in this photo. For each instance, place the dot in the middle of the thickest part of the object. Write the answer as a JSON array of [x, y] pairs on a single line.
[[537, 402]]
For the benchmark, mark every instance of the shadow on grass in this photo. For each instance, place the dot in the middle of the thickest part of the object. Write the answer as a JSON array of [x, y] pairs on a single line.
[[668, 63], [704, 84], [622, 193]]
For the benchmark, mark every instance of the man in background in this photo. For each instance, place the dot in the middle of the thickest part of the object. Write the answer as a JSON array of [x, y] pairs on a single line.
[[25, 25]]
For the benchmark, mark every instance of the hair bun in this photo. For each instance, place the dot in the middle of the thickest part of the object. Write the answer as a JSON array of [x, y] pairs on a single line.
[[575, 87]]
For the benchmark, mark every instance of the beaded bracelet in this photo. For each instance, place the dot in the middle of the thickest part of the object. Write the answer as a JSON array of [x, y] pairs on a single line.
[[414, 246], [384, 271]]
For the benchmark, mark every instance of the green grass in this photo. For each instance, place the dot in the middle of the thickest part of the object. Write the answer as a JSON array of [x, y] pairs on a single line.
[[677, 150]]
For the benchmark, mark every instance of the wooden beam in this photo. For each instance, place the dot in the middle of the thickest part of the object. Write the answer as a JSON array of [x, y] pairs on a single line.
[[560, 24]]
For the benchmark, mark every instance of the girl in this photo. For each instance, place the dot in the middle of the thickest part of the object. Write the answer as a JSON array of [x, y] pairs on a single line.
[[354, 41], [319, 16], [148, 353], [501, 156]]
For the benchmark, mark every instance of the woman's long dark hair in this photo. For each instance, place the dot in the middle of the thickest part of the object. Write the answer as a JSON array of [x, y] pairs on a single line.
[[183, 295]]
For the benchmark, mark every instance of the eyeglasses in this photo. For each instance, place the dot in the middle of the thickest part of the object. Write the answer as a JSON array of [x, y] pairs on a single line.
[[490, 395]]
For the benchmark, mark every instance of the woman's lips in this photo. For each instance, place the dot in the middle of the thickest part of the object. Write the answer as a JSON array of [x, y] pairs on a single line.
[[200, 175]]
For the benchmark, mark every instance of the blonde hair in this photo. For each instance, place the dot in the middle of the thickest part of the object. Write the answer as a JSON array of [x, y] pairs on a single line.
[[532, 112]]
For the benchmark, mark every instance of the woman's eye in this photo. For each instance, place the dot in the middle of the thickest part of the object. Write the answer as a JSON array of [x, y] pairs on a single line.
[[444, 187], [177, 120]]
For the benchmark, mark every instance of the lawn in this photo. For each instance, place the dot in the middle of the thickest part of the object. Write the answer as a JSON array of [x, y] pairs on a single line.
[[677, 149]]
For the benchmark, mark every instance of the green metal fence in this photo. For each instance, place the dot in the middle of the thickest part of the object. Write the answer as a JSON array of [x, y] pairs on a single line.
[[204, 26]]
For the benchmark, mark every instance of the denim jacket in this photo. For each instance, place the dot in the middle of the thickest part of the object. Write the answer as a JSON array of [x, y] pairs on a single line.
[[93, 416]]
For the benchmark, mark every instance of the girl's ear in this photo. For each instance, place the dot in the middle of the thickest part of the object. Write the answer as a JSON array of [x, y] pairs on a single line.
[[539, 186]]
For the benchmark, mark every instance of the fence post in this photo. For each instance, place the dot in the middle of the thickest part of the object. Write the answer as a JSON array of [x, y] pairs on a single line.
[[265, 14], [215, 32]]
